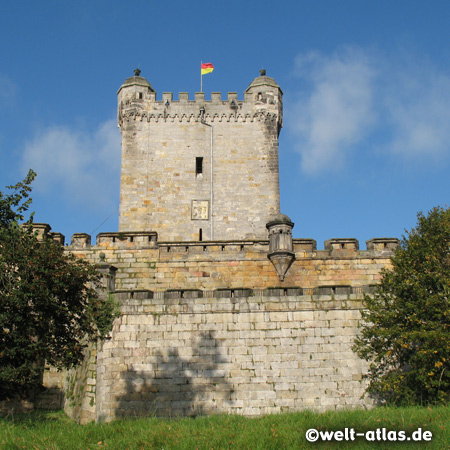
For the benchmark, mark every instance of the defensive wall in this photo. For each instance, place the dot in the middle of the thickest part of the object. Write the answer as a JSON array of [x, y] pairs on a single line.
[[207, 327], [144, 263]]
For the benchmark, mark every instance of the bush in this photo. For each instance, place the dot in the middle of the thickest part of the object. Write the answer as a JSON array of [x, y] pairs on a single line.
[[49, 304], [406, 331]]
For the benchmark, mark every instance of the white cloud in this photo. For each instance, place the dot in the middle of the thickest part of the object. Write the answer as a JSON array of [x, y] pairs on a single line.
[[418, 112], [357, 97], [83, 167], [338, 112]]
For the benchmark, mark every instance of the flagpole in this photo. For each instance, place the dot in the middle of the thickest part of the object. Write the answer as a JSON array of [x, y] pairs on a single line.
[[201, 77]]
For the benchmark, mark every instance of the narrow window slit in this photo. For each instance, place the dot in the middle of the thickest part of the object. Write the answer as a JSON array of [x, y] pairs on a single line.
[[198, 166]]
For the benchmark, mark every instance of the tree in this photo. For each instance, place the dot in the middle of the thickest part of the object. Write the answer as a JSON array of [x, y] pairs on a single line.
[[49, 304], [406, 327]]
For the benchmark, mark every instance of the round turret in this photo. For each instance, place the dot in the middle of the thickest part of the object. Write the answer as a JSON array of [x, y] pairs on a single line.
[[265, 96], [133, 95], [263, 81], [279, 219], [136, 81]]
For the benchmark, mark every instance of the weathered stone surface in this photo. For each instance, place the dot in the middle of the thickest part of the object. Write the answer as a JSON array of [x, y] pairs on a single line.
[[227, 365], [234, 265]]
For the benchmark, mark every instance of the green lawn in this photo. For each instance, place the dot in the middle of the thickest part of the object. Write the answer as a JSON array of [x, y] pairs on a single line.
[[53, 430]]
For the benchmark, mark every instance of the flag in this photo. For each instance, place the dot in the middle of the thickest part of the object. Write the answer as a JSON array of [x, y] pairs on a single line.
[[206, 68]]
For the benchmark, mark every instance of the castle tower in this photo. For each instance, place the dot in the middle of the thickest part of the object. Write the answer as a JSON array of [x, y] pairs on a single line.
[[196, 169]]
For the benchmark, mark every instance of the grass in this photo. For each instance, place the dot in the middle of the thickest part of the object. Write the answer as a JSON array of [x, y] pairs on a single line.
[[55, 431]]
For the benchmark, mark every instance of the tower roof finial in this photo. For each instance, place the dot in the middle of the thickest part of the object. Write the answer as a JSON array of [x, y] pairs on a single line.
[[137, 72], [262, 72]]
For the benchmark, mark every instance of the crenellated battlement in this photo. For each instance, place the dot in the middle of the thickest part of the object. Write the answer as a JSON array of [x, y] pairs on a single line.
[[231, 101], [336, 247], [136, 240], [199, 109], [183, 98], [137, 100], [236, 268]]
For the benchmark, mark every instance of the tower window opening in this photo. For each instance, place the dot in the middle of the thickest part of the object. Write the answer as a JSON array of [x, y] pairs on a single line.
[[140, 95], [198, 166], [200, 234]]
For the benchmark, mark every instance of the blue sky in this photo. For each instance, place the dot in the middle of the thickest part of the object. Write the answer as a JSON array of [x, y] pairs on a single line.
[[366, 138]]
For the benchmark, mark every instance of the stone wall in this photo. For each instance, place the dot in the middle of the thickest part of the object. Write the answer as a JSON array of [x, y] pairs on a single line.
[[208, 327], [53, 396], [80, 387], [144, 263], [251, 355]]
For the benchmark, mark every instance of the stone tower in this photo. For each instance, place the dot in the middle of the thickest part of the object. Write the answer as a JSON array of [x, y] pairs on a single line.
[[196, 170]]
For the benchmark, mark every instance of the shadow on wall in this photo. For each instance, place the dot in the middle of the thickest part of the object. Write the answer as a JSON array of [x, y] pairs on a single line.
[[178, 386]]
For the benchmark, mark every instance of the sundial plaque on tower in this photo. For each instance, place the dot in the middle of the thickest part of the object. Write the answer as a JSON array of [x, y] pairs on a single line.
[[200, 210]]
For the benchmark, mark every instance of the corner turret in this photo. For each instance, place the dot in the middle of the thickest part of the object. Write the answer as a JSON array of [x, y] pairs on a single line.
[[132, 94], [266, 96], [281, 250]]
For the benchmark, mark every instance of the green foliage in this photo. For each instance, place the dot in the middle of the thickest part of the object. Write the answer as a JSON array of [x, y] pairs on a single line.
[[49, 300], [13, 206], [103, 312], [406, 331]]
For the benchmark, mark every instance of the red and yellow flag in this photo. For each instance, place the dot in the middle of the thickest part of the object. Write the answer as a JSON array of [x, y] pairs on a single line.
[[206, 68]]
